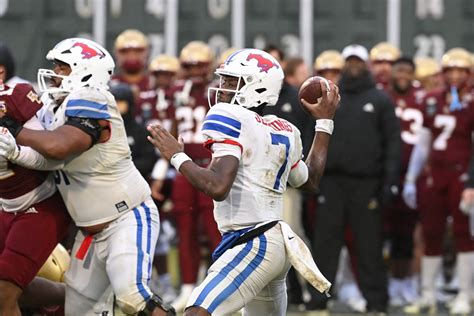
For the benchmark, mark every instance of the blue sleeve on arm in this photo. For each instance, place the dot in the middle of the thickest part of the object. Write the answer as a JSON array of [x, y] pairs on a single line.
[[223, 124], [87, 109]]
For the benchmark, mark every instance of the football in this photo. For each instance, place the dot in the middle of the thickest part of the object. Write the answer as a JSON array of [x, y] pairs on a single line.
[[310, 89]]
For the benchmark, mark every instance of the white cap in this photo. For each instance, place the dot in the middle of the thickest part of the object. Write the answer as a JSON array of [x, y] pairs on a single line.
[[357, 51]]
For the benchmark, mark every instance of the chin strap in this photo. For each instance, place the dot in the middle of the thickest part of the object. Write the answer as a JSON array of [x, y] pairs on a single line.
[[156, 302]]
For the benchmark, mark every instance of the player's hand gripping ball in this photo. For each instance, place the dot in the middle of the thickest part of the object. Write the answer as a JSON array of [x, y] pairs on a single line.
[[310, 89]]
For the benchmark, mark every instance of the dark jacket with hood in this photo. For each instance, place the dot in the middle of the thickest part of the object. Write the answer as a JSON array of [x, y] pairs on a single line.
[[366, 140], [143, 152]]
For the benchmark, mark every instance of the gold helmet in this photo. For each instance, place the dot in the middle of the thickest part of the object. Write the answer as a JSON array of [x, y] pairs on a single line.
[[223, 56], [164, 63], [56, 265], [425, 67], [131, 39], [196, 52], [329, 59], [384, 52], [456, 57]]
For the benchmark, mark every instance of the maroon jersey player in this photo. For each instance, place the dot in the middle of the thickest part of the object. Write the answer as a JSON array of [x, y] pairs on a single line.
[[446, 139], [33, 217], [131, 53], [400, 220]]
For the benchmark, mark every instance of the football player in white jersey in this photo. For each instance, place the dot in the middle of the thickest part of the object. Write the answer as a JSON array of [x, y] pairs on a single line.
[[105, 194], [253, 158]]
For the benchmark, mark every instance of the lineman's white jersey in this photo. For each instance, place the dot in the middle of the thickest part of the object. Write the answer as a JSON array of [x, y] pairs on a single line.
[[101, 183], [270, 147]]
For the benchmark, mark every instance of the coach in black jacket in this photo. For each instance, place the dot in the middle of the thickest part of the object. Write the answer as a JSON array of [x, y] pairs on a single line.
[[361, 173], [143, 152]]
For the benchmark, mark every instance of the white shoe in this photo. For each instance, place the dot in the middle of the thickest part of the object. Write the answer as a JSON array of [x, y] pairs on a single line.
[[409, 291], [350, 294], [357, 304], [395, 289], [460, 306], [180, 302], [423, 305]]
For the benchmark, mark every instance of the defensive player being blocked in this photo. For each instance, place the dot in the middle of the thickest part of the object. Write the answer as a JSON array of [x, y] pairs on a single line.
[[253, 158], [29, 202], [104, 192]]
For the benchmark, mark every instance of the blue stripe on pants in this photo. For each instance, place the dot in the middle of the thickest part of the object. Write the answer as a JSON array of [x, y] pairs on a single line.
[[232, 287], [223, 273], [140, 256], [148, 238]]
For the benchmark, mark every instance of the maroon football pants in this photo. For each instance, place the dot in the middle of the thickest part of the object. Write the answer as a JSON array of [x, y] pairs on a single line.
[[438, 197]]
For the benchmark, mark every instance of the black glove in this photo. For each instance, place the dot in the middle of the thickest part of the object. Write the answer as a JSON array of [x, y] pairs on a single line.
[[13, 126]]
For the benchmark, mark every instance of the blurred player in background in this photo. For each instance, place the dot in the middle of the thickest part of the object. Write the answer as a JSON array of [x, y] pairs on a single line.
[[382, 57], [329, 64], [104, 192], [253, 159], [400, 220], [445, 141], [428, 73], [131, 52]]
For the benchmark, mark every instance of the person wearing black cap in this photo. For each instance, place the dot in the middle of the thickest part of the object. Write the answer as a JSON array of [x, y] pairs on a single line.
[[8, 67], [143, 153], [361, 174]]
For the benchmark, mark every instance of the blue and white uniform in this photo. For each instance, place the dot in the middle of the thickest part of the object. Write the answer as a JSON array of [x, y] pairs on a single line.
[[250, 275], [98, 186]]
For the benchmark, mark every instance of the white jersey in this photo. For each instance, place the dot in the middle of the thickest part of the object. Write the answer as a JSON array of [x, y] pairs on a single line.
[[101, 183], [270, 148]]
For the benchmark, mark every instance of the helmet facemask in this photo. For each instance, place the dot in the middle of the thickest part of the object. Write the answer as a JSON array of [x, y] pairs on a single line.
[[47, 83]]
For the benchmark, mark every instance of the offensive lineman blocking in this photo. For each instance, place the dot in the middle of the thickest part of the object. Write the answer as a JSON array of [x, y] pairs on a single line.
[[105, 194], [253, 158]]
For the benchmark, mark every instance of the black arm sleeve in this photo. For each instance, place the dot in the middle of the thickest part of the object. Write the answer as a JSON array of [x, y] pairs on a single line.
[[89, 126]]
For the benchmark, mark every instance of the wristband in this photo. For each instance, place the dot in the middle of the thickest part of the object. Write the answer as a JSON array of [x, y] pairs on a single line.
[[178, 159], [410, 179], [324, 125]]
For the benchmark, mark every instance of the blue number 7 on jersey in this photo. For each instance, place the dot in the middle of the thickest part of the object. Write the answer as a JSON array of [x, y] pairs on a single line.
[[276, 140]]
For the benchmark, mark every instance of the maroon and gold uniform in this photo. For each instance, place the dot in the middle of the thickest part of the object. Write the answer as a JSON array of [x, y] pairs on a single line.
[[29, 200], [400, 217], [449, 157]]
